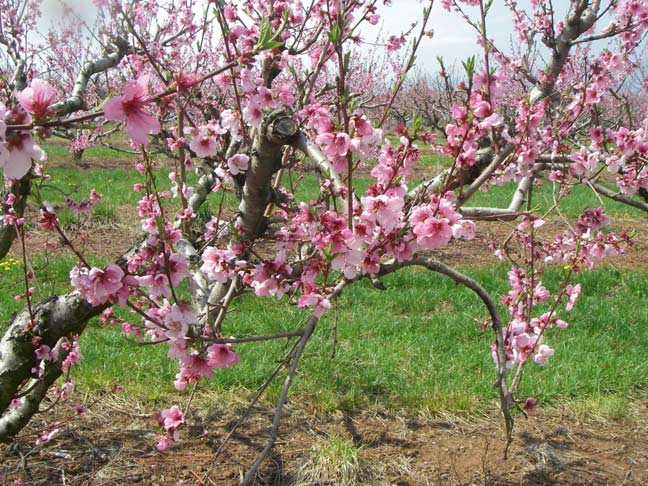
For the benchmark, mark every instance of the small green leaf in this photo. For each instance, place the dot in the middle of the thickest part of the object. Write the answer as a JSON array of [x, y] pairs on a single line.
[[267, 38], [335, 35]]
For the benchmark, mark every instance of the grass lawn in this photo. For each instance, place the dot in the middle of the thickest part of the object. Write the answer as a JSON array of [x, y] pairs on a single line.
[[116, 185], [417, 346]]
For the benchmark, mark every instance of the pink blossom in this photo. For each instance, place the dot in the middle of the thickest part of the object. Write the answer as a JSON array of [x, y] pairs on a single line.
[[43, 353], [529, 404], [493, 120], [96, 285], [572, 293], [204, 144], [216, 263], [37, 98], [271, 277], [173, 417], [592, 219], [74, 355], [130, 108], [321, 303], [542, 355], [176, 266], [238, 163], [157, 283], [431, 232], [482, 109], [384, 210], [17, 148], [394, 43], [221, 356], [253, 113], [164, 443]]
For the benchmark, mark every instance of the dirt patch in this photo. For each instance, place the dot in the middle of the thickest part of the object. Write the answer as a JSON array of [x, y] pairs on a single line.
[[113, 444], [107, 162], [478, 251], [113, 239]]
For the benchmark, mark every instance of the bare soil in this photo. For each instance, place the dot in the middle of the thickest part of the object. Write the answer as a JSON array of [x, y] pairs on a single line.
[[113, 443], [113, 239]]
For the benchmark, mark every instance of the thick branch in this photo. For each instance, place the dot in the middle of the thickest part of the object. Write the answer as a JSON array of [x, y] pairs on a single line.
[[276, 421], [503, 214], [487, 162], [579, 20], [615, 196], [75, 102], [277, 130], [17, 417], [55, 318], [506, 399]]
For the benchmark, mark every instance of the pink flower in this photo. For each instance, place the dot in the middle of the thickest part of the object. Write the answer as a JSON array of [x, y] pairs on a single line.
[[164, 443], [17, 148], [253, 113], [431, 232], [98, 286], [572, 293], [394, 43], [542, 355], [238, 163], [129, 108], [106, 282], [482, 109], [177, 267], [216, 263], [37, 98], [221, 356], [529, 404], [43, 352], [384, 210], [320, 302], [173, 417], [204, 142]]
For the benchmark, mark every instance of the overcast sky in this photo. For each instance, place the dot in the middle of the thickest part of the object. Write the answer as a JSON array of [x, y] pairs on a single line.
[[453, 38]]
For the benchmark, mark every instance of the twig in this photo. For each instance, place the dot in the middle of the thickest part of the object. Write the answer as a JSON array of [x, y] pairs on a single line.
[[301, 345]]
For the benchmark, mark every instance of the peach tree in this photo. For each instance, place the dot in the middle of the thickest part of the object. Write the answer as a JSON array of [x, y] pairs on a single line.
[[244, 94]]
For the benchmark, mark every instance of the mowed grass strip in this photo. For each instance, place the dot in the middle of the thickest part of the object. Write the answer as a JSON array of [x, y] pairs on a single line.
[[116, 185], [417, 347]]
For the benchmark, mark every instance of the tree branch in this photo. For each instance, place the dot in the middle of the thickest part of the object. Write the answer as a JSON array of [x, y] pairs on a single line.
[[75, 102], [54, 318]]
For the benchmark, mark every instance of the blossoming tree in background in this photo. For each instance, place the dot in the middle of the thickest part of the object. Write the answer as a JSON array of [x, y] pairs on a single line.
[[246, 94]]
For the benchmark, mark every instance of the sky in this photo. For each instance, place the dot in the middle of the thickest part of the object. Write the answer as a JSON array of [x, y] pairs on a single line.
[[453, 38]]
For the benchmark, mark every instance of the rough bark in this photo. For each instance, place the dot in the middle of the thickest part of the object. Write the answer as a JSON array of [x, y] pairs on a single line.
[[276, 131], [75, 102], [55, 318]]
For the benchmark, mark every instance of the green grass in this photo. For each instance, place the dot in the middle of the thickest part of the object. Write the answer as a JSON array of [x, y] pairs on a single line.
[[117, 187], [334, 459], [57, 147], [418, 346], [571, 205], [55, 150]]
